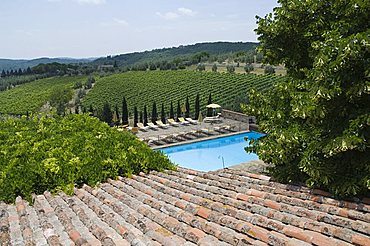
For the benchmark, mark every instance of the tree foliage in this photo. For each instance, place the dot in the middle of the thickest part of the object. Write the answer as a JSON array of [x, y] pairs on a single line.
[[248, 68], [319, 121], [107, 114], [154, 113], [45, 153], [209, 110], [197, 107], [269, 69], [124, 111], [187, 107]]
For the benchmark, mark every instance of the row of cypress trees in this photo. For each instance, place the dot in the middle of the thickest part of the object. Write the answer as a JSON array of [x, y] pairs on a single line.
[[115, 117]]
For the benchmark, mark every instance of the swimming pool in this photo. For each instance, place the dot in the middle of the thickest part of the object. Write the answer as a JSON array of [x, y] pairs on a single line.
[[213, 154]]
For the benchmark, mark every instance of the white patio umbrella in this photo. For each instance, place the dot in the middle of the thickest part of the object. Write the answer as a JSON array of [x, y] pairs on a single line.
[[213, 105]]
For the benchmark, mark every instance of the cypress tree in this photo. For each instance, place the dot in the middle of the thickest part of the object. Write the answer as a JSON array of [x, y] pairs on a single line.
[[197, 107], [145, 116], [141, 117], [178, 113], [172, 114], [154, 113], [117, 115], [3, 74], [135, 116], [124, 112], [187, 107], [163, 114], [107, 114], [209, 110], [76, 109]]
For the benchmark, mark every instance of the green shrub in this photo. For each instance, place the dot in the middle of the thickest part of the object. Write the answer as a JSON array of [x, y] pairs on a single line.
[[54, 153]]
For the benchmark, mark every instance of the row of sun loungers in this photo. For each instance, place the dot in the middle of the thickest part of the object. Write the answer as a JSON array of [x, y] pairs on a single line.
[[183, 136], [171, 122]]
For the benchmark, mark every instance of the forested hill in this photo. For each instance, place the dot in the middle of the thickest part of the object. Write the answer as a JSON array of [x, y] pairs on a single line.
[[10, 64], [183, 52]]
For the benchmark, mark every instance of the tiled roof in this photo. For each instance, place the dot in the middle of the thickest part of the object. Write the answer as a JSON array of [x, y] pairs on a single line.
[[186, 207]]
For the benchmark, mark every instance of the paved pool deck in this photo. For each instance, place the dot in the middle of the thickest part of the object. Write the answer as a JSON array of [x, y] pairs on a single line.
[[150, 134]]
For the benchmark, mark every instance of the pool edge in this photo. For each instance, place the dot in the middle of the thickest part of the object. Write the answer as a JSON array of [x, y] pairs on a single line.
[[200, 139]]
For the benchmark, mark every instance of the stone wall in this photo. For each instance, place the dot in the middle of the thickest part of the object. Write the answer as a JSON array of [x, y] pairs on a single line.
[[238, 116], [250, 120]]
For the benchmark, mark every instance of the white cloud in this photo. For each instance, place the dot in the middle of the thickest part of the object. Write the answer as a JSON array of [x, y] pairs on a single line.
[[172, 15], [121, 22], [93, 2], [185, 11], [168, 15]]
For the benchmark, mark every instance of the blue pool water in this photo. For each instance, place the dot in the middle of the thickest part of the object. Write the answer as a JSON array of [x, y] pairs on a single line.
[[210, 154]]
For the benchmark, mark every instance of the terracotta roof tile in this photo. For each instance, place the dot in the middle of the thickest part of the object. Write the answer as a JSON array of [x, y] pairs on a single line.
[[187, 207]]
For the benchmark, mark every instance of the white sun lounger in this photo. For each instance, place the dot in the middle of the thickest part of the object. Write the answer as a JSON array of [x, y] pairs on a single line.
[[183, 121], [172, 122], [194, 122], [161, 124], [142, 127], [152, 126]]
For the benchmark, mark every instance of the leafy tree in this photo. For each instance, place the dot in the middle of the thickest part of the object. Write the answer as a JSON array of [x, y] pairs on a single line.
[[163, 114], [145, 116], [60, 98], [136, 116], [172, 114], [178, 111], [230, 68], [197, 107], [124, 112], [107, 114], [47, 153], [209, 110], [77, 109], [269, 69], [201, 67], [214, 68], [88, 84], [152, 67], [77, 85], [248, 68], [154, 113], [187, 107], [318, 121]]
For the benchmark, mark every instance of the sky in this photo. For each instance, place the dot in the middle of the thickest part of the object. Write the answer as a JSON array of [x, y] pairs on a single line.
[[94, 28]]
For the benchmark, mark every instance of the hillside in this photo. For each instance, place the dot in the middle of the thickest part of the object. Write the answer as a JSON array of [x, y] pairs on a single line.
[[8, 64], [31, 96], [144, 88], [183, 51]]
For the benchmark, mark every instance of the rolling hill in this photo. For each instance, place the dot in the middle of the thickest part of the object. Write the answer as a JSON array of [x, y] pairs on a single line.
[[183, 51], [8, 64]]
